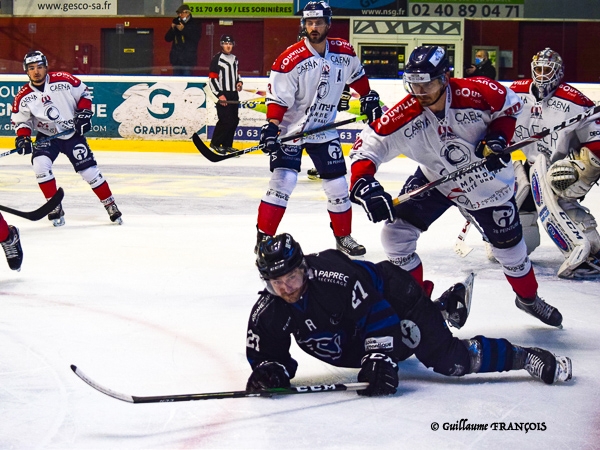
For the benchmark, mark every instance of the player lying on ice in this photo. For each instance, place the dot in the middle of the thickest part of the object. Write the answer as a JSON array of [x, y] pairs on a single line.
[[358, 314]]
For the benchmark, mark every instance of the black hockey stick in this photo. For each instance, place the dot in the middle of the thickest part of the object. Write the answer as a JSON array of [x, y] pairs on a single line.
[[38, 141], [215, 157], [39, 213], [218, 395], [511, 148]]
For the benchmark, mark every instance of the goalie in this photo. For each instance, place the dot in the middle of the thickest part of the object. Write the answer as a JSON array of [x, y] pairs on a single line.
[[560, 169]]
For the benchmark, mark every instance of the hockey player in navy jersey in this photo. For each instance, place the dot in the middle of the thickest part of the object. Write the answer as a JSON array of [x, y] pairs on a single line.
[[368, 316], [305, 87], [445, 124], [51, 103], [560, 169]]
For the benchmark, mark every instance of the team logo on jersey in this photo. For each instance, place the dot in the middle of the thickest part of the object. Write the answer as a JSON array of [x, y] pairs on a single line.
[[46, 100], [52, 113], [456, 153], [411, 334], [536, 112], [323, 87], [504, 215], [80, 152], [445, 133], [326, 347], [335, 151]]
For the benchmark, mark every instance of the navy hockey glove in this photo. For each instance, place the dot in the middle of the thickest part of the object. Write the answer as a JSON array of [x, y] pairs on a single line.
[[268, 138], [368, 193], [83, 121], [24, 145], [268, 375], [369, 106], [380, 372], [344, 103], [492, 148]]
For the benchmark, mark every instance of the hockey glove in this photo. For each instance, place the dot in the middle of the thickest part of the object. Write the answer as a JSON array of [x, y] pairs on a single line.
[[83, 121], [24, 145], [380, 372], [344, 103], [268, 138], [378, 204], [268, 375], [492, 148], [369, 106]]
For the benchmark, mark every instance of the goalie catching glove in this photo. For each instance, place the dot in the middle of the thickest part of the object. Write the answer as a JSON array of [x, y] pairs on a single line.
[[380, 372], [24, 145], [492, 148], [573, 178], [268, 375], [368, 193], [83, 121], [369, 106]]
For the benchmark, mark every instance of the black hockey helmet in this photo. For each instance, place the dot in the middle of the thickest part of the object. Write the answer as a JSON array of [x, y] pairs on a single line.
[[426, 63], [34, 57], [316, 10], [278, 256], [227, 39]]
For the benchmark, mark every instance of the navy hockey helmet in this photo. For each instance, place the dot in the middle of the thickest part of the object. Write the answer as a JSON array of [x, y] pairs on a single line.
[[426, 64], [34, 57], [547, 70], [278, 255], [315, 10], [227, 39]]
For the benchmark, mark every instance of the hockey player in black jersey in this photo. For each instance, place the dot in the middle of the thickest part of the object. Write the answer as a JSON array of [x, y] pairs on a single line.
[[357, 314]]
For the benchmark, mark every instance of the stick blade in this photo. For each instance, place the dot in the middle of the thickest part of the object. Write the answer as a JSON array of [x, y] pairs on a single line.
[[205, 151], [99, 387]]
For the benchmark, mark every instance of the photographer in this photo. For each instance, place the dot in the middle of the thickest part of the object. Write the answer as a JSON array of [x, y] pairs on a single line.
[[185, 34]]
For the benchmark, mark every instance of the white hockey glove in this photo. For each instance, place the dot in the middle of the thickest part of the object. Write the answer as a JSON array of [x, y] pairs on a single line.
[[573, 178]]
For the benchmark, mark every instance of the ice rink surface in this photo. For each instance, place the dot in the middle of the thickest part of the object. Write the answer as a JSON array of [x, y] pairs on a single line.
[[159, 306]]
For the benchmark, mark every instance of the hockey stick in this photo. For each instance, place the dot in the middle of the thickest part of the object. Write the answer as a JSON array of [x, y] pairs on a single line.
[[215, 157], [460, 246], [511, 148], [39, 141], [39, 213], [218, 395]]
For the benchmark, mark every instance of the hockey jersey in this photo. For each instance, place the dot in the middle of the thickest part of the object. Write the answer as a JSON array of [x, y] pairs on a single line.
[[565, 102], [341, 316], [305, 87], [223, 73], [441, 146], [51, 111]]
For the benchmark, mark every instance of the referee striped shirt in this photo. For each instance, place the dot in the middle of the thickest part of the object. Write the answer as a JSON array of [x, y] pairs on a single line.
[[223, 73]]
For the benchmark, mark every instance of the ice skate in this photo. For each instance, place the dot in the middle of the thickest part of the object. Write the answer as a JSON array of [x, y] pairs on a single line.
[[541, 310], [114, 213], [545, 366], [455, 303], [313, 174], [349, 246], [12, 248], [57, 216]]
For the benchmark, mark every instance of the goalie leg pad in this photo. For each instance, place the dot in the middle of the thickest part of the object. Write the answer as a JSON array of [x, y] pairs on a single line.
[[531, 231], [522, 184], [584, 220]]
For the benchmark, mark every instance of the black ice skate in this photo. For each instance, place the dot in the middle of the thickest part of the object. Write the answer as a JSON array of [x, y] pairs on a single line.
[[12, 248], [541, 310], [114, 213], [455, 303], [313, 174], [57, 216], [349, 246], [545, 366]]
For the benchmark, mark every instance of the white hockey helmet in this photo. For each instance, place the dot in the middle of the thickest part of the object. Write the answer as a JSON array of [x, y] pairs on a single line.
[[547, 70], [34, 57]]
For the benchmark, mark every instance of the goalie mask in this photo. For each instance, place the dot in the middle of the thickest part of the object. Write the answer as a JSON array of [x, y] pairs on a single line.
[[547, 71], [35, 57], [425, 74]]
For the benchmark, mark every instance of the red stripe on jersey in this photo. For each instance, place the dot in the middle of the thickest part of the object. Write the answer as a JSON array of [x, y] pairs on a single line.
[[361, 86], [361, 168], [27, 89], [56, 77], [338, 45], [522, 86], [84, 103], [275, 111], [573, 95], [397, 116], [478, 93], [291, 57]]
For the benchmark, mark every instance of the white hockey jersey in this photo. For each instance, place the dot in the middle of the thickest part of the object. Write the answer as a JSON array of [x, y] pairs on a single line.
[[51, 111], [443, 146], [564, 103], [309, 86]]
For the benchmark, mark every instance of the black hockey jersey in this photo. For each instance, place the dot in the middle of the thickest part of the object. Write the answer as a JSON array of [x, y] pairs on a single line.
[[343, 314]]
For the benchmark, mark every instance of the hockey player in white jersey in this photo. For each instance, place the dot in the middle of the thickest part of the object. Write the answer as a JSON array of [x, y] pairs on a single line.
[[305, 86], [51, 103], [560, 169], [445, 124]]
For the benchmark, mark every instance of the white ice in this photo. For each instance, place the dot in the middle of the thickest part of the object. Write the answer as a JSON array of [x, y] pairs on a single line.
[[159, 306]]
